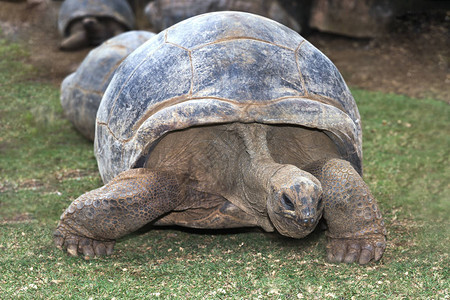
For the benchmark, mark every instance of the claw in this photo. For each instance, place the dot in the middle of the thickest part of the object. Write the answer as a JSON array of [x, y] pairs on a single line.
[[75, 244], [351, 257], [336, 252], [330, 255], [88, 251], [339, 256], [355, 250], [58, 239], [109, 248], [352, 253], [379, 250], [365, 257], [72, 249], [99, 248], [86, 247]]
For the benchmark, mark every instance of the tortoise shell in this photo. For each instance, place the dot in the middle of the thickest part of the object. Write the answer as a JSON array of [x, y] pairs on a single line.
[[82, 91], [220, 68], [71, 10]]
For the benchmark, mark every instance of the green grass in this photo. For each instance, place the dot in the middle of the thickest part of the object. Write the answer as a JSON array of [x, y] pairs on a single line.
[[45, 164]]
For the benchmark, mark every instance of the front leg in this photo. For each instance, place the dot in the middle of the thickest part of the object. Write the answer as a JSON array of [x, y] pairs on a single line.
[[77, 38], [356, 231], [92, 223]]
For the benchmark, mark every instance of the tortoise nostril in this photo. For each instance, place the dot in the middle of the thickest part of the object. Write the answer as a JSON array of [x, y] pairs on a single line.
[[287, 202], [307, 221]]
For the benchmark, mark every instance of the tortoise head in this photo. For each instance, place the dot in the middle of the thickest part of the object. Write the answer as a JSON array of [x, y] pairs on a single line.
[[294, 203]]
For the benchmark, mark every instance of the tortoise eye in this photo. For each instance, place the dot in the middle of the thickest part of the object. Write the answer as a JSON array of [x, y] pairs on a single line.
[[287, 202]]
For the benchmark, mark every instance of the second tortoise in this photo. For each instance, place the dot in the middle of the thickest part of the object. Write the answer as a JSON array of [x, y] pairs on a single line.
[[82, 91], [84, 23]]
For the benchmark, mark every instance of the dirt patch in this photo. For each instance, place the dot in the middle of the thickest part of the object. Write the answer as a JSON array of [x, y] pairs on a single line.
[[413, 59], [17, 219], [35, 25], [72, 174]]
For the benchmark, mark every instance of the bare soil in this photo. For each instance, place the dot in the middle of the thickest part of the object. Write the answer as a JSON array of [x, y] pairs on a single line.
[[412, 59], [35, 25]]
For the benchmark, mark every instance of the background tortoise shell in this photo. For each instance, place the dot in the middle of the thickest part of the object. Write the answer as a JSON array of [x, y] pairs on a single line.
[[82, 91], [71, 10], [220, 68]]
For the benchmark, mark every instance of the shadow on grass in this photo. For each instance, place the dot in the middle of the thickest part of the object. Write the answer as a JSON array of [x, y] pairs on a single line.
[[254, 235]]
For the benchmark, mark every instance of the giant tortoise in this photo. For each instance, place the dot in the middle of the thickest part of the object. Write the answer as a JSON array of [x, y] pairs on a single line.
[[82, 91], [228, 120], [90, 22]]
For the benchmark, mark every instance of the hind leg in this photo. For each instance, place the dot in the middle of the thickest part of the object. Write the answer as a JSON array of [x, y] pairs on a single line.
[[356, 231], [92, 223]]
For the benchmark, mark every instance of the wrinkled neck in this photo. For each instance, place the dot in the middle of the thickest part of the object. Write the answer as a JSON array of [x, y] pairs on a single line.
[[258, 166], [263, 182]]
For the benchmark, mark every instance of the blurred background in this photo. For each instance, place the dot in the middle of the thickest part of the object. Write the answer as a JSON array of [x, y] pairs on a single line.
[[391, 46]]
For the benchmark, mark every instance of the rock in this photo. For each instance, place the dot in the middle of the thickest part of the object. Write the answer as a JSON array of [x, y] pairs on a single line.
[[355, 18], [165, 13]]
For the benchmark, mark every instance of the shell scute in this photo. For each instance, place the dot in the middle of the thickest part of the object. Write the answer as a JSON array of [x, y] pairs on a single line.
[[82, 91], [169, 80], [330, 84], [252, 65], [228, 25], [126, 71]]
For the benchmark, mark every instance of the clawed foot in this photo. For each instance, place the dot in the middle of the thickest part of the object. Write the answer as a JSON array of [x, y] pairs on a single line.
[[75, 244], [356, 250]]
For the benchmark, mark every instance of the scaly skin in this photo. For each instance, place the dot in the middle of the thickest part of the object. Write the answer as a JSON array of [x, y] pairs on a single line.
[[96, 219], [77, 38], [356, 231], [135, 197]]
